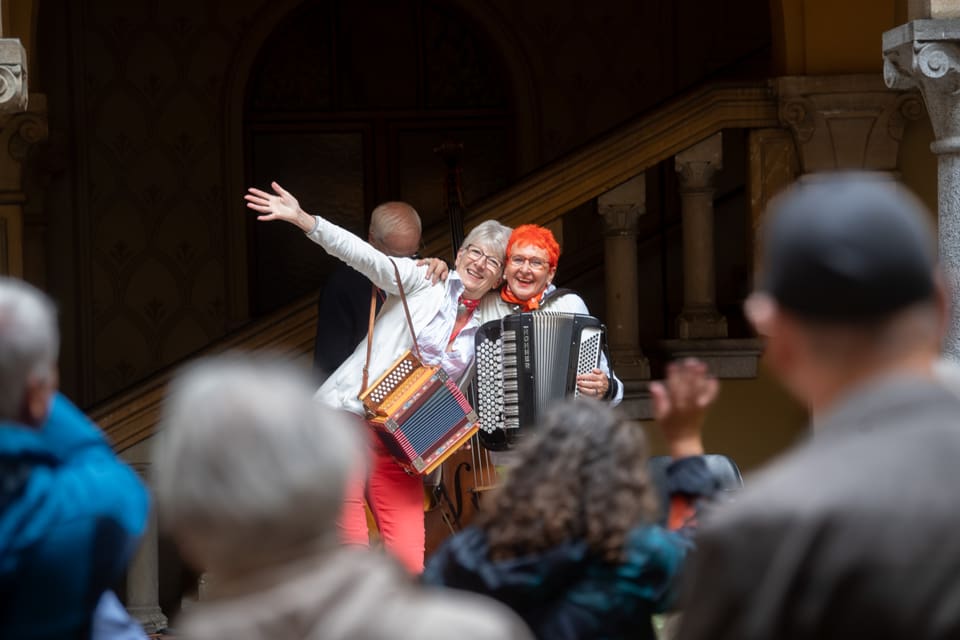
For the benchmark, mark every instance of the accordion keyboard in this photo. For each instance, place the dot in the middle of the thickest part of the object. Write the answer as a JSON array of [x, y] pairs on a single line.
[[525, 362]]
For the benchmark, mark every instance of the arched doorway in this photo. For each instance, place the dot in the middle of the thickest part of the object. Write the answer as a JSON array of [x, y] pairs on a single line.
[[345, 103]]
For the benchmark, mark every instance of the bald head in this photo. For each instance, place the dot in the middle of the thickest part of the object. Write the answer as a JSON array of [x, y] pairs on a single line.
[[395, 229]]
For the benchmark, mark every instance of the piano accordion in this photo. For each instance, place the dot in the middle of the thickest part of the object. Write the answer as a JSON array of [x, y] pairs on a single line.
[[524, 363], [419, 414]]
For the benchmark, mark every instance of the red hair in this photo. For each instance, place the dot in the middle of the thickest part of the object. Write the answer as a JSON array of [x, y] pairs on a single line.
[[536, 236]]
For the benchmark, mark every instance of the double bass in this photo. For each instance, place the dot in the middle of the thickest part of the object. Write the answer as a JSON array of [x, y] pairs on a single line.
[[455, 495]]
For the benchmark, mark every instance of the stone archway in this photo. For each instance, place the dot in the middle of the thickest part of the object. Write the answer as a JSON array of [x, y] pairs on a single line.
[[241, 81]]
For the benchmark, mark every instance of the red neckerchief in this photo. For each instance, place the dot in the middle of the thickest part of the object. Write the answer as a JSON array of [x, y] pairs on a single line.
[[525, 305], [463, 316]]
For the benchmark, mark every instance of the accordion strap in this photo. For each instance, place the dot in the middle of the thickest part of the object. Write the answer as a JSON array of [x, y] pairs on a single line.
[[373, 313]]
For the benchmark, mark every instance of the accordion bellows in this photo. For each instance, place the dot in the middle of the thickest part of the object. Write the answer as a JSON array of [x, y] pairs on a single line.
[[419, 414]]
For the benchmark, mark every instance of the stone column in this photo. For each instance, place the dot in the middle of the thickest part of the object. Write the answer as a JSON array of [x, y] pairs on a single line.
[[143, 576], [926, 54], [845, 122], [620, 208], [18, 131], [696, 167]]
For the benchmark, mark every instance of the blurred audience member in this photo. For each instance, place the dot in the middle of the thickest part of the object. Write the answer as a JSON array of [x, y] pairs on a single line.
[[71, 513], [853, 534], [250, 475], [570, 540]]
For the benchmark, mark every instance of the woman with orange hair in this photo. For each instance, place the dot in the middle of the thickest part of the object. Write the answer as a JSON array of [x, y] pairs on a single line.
[[532, 257]]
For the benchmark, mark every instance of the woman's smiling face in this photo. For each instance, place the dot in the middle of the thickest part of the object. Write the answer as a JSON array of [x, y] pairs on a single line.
[[480, 268], [528, 271]]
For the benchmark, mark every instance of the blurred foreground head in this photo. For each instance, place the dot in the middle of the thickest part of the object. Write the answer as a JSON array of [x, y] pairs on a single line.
[[581, 476], [848, 282], [249, 469], [29, 347]]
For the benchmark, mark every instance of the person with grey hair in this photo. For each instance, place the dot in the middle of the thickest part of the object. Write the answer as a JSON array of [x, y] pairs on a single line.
[[250, 475], [853, 533], [71, 513], [345, 300], [445, 319]]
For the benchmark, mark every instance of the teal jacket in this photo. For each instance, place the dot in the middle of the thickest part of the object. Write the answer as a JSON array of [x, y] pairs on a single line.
[[71, 514]]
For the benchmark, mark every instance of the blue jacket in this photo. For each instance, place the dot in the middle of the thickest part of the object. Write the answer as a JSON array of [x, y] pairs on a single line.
[[71, 514]]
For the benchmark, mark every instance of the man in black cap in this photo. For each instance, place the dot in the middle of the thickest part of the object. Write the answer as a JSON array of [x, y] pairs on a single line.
[[856, 532]]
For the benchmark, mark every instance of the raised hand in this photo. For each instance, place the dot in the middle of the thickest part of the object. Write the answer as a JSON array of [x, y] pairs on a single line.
[[680, 405], [281, 205]]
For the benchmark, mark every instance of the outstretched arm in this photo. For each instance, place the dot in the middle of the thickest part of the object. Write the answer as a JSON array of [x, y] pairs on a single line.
[[338, 242]]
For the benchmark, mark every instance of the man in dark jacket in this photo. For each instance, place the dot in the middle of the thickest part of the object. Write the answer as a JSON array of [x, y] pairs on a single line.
[[853, 534], [71, 513], [343, 310]]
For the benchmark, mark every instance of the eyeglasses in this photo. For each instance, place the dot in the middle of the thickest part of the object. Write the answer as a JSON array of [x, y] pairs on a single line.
[[476, 255], [535, 263]]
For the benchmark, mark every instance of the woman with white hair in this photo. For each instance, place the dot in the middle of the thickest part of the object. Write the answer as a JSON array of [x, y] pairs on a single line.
[[249, 473], [445, 318]]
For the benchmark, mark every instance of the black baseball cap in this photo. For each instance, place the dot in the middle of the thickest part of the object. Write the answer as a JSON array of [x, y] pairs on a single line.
[[847, 247]]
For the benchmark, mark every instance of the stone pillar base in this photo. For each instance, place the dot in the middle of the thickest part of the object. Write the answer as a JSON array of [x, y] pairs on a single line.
[[701, 324], [729, 358], [630, 364]]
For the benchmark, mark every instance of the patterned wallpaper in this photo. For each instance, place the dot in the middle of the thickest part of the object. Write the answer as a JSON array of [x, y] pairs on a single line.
[[150, 86], [148, 101]]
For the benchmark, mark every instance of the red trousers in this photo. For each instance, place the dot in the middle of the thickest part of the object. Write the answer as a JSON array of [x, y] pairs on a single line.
[[396, 501]]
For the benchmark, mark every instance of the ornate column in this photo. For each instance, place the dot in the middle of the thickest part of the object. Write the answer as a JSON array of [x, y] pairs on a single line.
[[620, 208], [926, 54], [845, 122], [696, 167], [18, 132], [143, 575]]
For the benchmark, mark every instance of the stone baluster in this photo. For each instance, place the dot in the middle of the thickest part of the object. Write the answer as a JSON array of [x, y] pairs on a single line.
[[143, 575], [696, 167], [621, 207]]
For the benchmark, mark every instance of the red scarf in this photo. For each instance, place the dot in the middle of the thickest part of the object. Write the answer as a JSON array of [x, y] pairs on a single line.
[[525, 305], [463, 317]]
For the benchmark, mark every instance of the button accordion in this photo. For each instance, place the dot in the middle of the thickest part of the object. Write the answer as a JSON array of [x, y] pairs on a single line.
[[419, 414], [524, 363]]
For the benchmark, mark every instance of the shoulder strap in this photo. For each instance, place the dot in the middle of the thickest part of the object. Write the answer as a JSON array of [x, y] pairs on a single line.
[[373, 312], [556, 293]]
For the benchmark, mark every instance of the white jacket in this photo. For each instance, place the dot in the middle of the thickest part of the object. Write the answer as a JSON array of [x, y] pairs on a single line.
[[391, 337]]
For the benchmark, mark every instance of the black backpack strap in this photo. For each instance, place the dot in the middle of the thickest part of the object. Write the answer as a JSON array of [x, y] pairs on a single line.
[[556, 293]]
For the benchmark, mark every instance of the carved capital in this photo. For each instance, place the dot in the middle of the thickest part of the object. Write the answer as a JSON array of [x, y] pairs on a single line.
[[623, 205], [845, 122], [13, 76], [18, 132], [926, 54], [697, 165], [26, 129], [621, 219]]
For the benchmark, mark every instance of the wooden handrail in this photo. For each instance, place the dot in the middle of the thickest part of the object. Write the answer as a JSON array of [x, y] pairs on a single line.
[[131, 416], [576, 178], [540, 198]]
